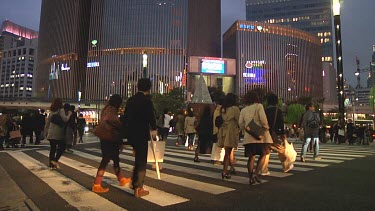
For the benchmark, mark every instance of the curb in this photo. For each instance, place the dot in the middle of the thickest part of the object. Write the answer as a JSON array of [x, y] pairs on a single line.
[[30, 204]]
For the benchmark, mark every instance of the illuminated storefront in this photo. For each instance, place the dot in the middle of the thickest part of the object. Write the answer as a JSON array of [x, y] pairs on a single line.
[[276, 58]]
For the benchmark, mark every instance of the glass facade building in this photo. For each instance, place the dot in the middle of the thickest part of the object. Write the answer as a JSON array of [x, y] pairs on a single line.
[[276, 58], [119, 42], [313, 16]]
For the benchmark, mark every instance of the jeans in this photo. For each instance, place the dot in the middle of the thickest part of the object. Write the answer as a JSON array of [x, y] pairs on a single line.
[[57, 149], [306, 144]]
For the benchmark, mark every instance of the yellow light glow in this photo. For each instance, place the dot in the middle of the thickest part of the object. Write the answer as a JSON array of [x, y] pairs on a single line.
[[336, 7], [144, 60]]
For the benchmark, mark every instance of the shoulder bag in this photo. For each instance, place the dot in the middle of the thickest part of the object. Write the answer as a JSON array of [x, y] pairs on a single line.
[[57, 119], [254, 129]]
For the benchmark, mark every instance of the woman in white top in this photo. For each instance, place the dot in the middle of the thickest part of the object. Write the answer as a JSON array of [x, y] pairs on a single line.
[[190, 123], [164, 131], [255, 145]]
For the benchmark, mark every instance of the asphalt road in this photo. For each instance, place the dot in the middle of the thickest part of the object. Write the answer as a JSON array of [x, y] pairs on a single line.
[[342, 180]]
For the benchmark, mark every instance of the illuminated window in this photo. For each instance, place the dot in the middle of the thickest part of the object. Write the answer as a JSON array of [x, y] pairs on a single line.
[[326, 40], [323, 59], [322, 40]]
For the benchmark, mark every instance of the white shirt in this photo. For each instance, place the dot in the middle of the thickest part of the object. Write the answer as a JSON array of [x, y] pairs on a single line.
[[167, 119]]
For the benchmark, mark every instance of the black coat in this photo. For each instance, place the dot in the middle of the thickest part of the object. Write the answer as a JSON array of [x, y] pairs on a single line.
[[140, 118], [279, 124]]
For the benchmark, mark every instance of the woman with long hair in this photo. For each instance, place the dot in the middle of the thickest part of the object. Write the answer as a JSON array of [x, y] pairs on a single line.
[[255, 145], [56, 132], [228, 135], [190, 123], [110, 148]]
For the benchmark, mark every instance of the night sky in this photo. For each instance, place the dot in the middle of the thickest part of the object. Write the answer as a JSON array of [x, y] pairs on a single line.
[[358, 30]]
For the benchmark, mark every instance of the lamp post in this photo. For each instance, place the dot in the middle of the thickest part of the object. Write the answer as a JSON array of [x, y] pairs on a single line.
[[144, 62], [339, 60]]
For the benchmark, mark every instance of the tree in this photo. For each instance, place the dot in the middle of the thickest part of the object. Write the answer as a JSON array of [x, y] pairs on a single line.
[[173, 100], [295, 112]]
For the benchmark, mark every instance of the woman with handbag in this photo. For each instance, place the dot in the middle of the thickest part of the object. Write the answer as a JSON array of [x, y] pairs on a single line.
[[256, 141], [228, 135], [55, 132], [108, 131]]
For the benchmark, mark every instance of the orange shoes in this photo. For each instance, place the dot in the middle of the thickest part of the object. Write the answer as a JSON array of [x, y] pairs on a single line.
[[97, 188], [123, 181], [140, 192]]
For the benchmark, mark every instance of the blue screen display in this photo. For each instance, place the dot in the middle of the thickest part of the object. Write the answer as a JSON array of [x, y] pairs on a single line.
[[254, 75], [213, 66]]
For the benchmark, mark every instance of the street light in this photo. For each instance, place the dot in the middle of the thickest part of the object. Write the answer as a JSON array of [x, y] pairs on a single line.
[[144, 62], [339, 61]]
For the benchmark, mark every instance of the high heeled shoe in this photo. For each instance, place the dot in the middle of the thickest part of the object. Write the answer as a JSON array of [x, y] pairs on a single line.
[[252, 181], [196, 159], [225, 176], [257, 179]]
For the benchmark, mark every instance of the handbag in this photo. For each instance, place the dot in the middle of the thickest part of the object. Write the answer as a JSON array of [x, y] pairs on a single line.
[[57, 119], [341, 132], [15, 134], [106, 132], [254, 129]]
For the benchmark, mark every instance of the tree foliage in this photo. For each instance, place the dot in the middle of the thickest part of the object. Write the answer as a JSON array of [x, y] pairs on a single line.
[[174, 100], [295, 112]]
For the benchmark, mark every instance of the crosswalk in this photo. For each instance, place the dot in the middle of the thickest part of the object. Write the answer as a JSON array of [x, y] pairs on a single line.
[[182, 180]]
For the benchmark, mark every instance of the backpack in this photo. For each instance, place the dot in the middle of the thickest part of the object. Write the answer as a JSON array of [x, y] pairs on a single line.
[[219, 121], [313, 122]]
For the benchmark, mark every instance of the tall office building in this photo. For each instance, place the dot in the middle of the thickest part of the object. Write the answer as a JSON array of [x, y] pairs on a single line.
[[18, 46], [313, 16], [104, 47]]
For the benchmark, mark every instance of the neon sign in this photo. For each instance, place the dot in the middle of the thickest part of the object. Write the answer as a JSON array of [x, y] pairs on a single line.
[[92, 64], [255, 64]]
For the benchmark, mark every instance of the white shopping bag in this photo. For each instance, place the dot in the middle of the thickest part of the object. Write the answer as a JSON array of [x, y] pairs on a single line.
[[217, 153], [187, 141], [157, 148], [288, 157]]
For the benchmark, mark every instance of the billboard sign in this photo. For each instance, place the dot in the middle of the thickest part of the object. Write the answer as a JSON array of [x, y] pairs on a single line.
[[214, 66]]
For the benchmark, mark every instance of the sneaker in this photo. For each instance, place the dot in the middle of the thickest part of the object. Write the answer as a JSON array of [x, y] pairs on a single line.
[[265, 173], [140, 192], [302, 159], [317, 158], [123, 181], [97, 188], [290, 168]]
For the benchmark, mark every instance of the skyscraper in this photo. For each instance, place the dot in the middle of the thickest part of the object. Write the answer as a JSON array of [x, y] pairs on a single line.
[[18, 54], [313, 16], [104, 47]]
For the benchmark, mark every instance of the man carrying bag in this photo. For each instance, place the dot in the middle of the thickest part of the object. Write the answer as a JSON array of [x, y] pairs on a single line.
[[140, 120]]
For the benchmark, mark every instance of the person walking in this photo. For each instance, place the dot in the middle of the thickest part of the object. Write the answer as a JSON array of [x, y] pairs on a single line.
[[180, 127], [255, 145], [350, 131], [39, 124], [69, 129], [55, 132], [81, 123], [228, 136], [110, 148], [6, 124], [141, 122], [276, 124], [190, 124], [217, 154], [204, 133], [27, 125], [164, 129], [311, 124]]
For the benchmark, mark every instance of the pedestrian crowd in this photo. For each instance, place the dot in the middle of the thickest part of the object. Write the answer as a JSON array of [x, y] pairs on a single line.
[[216, 130]]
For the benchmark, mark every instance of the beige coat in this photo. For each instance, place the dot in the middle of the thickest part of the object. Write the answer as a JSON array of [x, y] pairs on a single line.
[[255, 111], [228, 135], [190, 123]]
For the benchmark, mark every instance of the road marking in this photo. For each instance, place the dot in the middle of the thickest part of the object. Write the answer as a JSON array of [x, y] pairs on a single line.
[[274, 166], [192, 184], [156, 196], [209, 174], [72, 192]]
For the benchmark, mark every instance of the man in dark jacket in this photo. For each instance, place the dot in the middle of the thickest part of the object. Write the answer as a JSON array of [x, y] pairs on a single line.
[[350, 131], [311, 124], [140, 122]]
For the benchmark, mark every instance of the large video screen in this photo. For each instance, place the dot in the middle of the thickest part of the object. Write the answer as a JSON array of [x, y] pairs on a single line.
[[214, 66]]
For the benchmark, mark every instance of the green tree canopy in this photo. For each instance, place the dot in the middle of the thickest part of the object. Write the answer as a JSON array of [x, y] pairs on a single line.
[[295, 112], [173, 100]]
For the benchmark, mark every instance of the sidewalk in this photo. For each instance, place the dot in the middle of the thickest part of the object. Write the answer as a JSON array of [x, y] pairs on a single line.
[[12, 197]]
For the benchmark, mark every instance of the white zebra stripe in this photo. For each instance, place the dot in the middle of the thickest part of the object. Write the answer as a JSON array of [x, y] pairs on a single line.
[[72, 192]]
